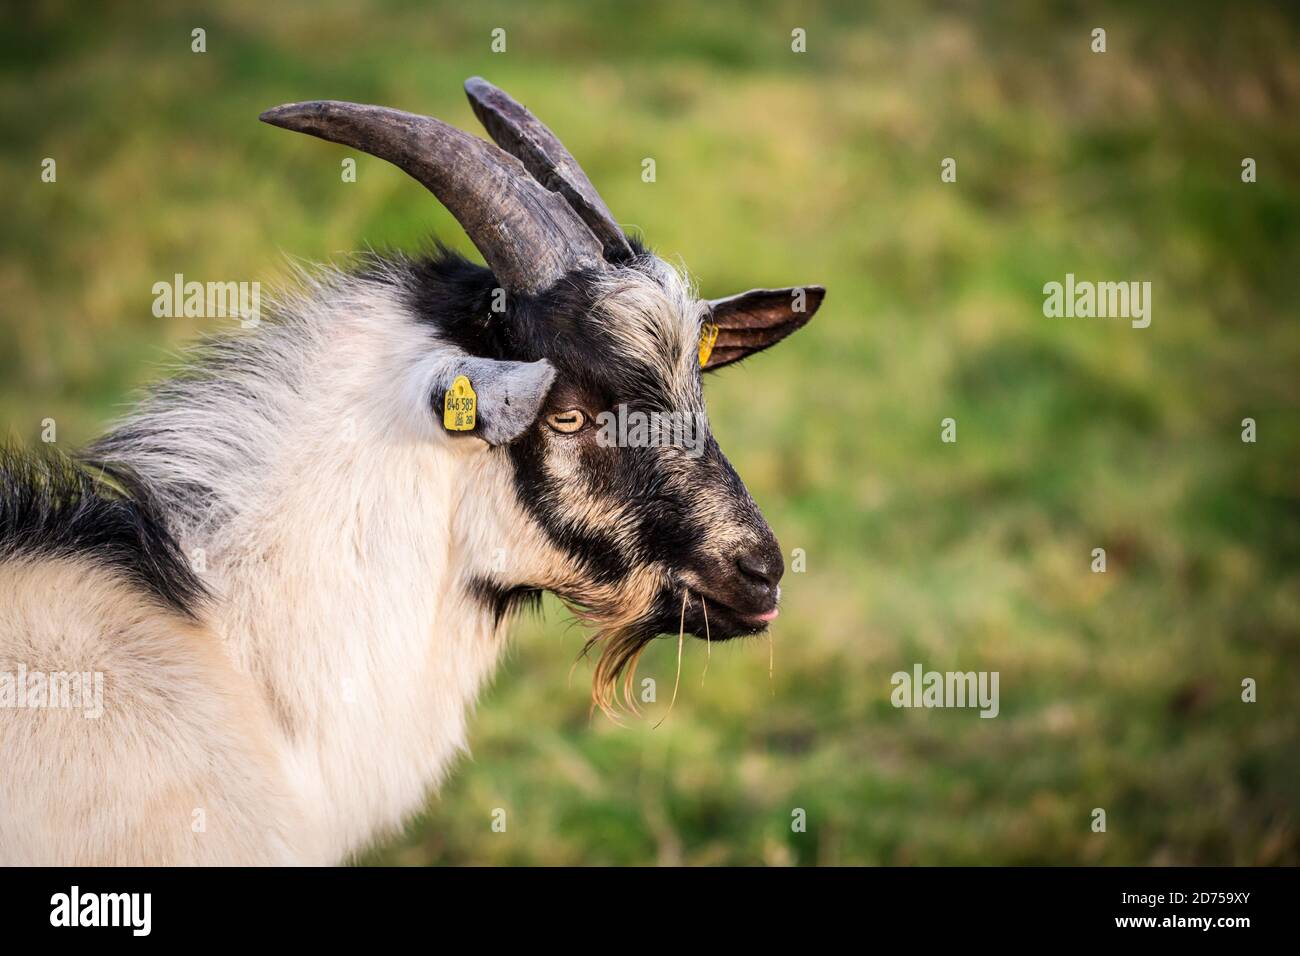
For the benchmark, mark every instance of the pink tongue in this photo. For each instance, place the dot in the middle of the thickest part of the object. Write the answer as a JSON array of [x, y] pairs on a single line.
[[768, 615]]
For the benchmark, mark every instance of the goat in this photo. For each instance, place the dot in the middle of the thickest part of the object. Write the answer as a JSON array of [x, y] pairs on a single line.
[[292, 568]]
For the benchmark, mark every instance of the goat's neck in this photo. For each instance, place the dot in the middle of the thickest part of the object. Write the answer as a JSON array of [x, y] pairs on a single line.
[[346, 602], [343, 593]]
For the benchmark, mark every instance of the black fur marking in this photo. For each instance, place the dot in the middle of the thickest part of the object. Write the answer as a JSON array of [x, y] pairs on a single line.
[[598, 555], [503, 601], [51, 507], [456, 296]]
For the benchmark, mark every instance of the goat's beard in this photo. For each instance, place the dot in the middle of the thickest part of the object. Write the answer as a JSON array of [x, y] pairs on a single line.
[[620, 649], [624, 629], [628, 618], [619, 644]]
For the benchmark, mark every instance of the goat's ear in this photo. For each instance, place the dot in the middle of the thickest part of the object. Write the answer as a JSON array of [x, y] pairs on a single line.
[[758, 319], [508, 396]]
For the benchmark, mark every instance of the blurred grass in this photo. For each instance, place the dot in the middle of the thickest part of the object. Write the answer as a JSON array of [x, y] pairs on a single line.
[[1118, 691]]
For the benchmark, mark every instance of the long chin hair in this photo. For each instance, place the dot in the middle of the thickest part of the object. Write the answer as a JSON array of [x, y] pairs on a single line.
[[620, 639], [619, 650], [624, 623]]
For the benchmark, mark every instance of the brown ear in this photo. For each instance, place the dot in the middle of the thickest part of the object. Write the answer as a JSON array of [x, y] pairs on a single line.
[[754, 320]]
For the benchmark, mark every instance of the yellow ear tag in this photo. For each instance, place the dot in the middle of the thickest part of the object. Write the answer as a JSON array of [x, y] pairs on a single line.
[[459, 406], [708, 336]]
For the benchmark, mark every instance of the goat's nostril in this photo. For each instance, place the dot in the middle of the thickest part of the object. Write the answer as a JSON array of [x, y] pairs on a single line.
[[764, 566]]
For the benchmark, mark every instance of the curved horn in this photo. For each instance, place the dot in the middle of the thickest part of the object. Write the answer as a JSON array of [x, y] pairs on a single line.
[[523, 135], [528, 235]]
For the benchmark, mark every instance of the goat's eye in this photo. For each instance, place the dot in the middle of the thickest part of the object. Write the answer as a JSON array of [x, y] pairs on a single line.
[[567, 422]]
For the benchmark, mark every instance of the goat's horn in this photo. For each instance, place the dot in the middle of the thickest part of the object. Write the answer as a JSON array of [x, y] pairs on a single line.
[[523, 135], [529, 236]]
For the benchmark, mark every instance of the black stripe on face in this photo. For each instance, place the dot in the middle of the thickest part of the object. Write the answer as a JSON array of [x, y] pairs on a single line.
[[655, 489], [599, 557]]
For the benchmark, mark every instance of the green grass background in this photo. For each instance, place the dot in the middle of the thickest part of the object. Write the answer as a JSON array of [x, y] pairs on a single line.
[[1118, 690]]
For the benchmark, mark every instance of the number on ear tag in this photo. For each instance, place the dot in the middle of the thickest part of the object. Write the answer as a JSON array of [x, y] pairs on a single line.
[[459, 406], [708, 335]]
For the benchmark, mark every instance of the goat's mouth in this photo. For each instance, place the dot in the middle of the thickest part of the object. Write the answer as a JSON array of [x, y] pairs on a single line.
[[711, 618]]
